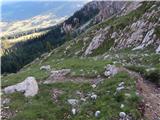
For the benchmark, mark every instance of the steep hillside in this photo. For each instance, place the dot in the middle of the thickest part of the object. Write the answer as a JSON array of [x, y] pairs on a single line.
[[108, 71], [69, 29], [136, 30]]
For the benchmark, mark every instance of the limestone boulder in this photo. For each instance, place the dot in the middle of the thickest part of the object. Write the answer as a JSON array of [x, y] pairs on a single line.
[[29, 87]]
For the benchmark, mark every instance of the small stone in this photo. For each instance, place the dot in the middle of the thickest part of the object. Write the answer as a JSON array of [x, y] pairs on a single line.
[[121, 84], [93, 86], [5, 101], [73, 101], [127, 95], [158, 50], [98, 76], [122, 106], [73, 111], [137, 93], [7, 107], [97, 113], [46, 67], [94, 97], [119, 89], [108, 91], [81, 70], [122, 114], [83, 99]]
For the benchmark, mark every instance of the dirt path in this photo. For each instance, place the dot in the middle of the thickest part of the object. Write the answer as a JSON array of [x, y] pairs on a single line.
[[80, 79], [151, 97]]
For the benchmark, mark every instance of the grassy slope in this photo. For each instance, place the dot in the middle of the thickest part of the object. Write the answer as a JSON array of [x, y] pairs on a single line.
[[89, 66], [42, 107]]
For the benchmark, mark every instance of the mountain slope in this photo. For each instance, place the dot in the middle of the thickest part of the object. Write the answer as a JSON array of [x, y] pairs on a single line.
[[136, 30], [70, 28], [109, 78]]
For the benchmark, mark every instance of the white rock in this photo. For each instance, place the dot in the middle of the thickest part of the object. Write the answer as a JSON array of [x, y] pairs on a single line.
[[93, 86], [106, 57], [29, 86], [73, 101], [73, 111], [122, 114], [46, 67], [81, 70], [120, 88], [122, 106], [139, 47], [148, 36], [114, 35], [127, 95], [94, 97], [121, 84], [97, 113], [158, 50], [5, 101], [83, 99]]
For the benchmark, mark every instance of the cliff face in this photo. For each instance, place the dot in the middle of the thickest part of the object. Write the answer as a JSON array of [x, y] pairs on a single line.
[[107, 9], [133, 25], [94, 12]]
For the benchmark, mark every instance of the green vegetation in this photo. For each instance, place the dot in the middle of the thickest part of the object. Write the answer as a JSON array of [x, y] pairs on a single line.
[[87, 67], [157, 31], [122, 21], [151, 74], [42, 106], [107, 44], [23, 53]]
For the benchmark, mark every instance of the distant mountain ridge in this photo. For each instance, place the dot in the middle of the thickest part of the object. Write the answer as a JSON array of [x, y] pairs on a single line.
[[15, 11], [21, 18]]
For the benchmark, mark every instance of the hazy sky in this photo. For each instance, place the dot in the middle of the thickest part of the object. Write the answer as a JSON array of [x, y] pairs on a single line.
[[7, 1]]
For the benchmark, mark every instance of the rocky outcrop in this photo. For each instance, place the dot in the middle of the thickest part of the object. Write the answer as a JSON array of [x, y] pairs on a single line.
[[97, 40], [29, 87], [107, 9], [146, 41], [73, 102], [111, 70], [129, 7]]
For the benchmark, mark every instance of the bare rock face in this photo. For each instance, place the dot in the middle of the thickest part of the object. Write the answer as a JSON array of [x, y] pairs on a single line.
[[108, 8], [128, 7], [97, 40], [158, 50], [29, 87], [146, 41]]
